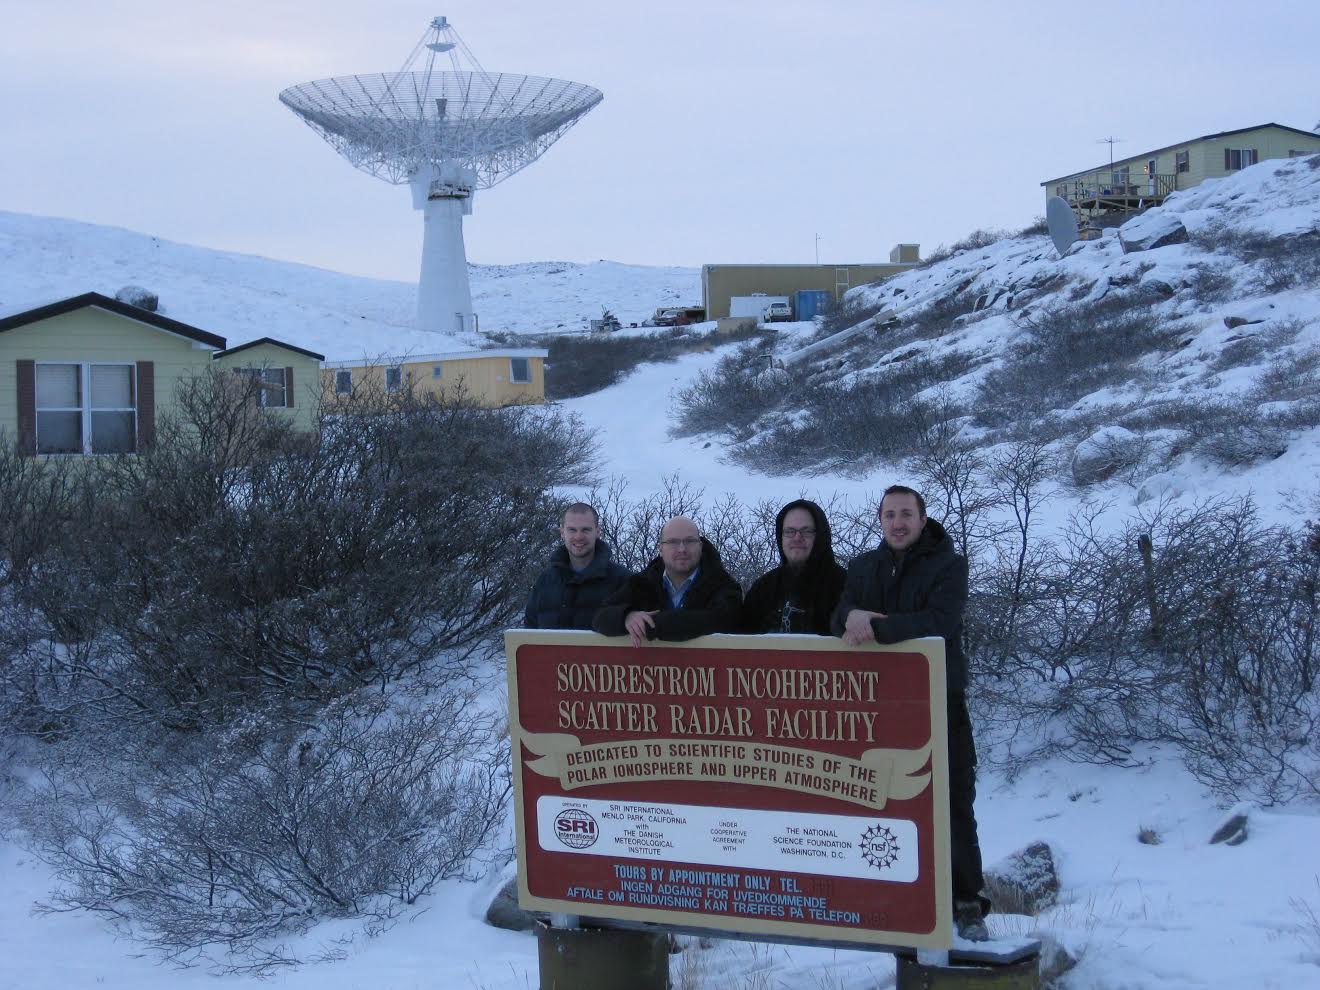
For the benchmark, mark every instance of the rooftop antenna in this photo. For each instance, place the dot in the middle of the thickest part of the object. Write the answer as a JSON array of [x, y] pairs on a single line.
[[818, 249], [1111, 141], [446, 132]]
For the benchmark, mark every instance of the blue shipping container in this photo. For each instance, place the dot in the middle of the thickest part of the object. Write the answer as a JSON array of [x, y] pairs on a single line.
[[810, 303]]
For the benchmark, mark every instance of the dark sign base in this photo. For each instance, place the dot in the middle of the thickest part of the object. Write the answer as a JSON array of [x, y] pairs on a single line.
[[1021, 975], [602, 959]]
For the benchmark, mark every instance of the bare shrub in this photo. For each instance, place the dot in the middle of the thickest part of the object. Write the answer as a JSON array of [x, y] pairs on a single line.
[[730, 397], [580, 365], [1283, 260], [841, 427], [1210, 284], [194, 586], [257, 831], [976, 240], [1068, 352], [850, 313]]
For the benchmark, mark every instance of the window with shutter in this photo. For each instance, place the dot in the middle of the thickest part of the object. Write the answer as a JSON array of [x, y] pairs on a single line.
[[85, 408]]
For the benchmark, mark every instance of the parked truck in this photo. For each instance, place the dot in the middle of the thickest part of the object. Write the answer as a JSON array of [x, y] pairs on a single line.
[[677, 316], [758, 306]]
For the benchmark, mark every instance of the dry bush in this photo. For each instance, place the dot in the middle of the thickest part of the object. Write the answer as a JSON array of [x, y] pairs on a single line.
[[1068, 352]]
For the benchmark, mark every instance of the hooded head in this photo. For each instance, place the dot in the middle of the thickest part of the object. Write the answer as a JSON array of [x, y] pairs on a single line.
[[802, 535]]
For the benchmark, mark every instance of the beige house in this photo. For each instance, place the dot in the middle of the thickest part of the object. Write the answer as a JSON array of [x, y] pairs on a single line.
[[1138, 181], [492, 378], [91, 375], [720, 283]]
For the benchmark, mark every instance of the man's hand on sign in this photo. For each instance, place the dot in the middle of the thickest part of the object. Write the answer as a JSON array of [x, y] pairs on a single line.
[[637, 623], [857, 627]]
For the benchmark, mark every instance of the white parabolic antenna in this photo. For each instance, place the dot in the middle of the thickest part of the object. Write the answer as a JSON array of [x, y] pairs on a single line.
[[1061, 223], [447, 134]]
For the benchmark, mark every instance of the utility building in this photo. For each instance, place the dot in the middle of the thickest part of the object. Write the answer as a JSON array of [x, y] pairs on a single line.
[[720, 283]]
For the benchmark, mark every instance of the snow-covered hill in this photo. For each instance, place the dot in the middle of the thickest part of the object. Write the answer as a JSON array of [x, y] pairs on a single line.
[[1173, 372], [1146, 902], [243, 297]]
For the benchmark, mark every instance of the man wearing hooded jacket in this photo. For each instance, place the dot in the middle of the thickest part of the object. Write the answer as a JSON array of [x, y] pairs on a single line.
[[580, 577], [915, 584], [799, 595], [682, 594]]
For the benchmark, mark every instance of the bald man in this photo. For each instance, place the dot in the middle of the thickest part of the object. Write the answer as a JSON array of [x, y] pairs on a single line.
[[681, 594]]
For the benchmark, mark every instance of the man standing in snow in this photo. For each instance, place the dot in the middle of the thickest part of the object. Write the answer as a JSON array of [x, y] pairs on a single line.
[[915, 584], [799, 595], [682, 594], [580, 577]]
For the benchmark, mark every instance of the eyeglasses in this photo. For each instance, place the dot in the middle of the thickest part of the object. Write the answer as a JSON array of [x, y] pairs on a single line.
[[792, 531], [691, 541]]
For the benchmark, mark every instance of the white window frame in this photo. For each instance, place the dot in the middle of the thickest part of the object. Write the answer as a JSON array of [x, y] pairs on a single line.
[[397, 370], [85, 408], [266, 386], [1240, 155], [345, 376], [1182, 161], [513, 373], [437, 371]]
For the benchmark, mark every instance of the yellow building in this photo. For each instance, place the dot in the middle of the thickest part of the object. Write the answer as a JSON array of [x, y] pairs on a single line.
[[492, 378], [91, 374], [720, 283], [1137, 181]]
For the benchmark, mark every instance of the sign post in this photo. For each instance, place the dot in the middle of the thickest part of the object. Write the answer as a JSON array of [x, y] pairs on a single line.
[[787, 788]]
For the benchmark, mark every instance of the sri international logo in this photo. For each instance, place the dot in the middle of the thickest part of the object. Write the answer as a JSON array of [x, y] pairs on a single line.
[[880, 847], [576, 829]]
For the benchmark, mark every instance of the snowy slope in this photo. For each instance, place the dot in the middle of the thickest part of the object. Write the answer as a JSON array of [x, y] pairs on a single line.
[[243, 297]]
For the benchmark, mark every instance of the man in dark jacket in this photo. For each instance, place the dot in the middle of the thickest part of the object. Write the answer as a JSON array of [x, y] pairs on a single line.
[[799, 595], [682, 594], [915, 585], [580, 577]]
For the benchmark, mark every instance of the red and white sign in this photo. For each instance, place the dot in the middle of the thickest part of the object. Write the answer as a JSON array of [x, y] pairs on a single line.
[[774, 785]]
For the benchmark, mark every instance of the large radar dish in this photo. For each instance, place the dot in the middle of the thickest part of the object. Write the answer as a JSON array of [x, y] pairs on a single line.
[[397, 125]]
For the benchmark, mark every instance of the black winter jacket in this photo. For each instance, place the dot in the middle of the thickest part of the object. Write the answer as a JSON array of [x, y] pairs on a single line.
[[563, 598], [923, 594], [802, 600], [710, 606]]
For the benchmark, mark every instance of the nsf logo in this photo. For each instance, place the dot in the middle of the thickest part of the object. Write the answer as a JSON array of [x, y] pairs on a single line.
[[575, 828]]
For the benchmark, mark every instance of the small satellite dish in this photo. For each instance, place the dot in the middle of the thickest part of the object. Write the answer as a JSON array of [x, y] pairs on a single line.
[[441, 46], [1062, 224]]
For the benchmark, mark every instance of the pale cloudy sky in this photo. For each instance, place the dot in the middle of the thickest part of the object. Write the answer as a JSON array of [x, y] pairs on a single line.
[[730, 131]]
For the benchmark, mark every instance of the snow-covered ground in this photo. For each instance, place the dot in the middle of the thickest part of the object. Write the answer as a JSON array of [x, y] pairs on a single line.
[[243, 297], [1178, 913]]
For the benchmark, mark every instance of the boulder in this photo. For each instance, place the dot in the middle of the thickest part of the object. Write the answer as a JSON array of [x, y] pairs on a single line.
[[1055, 960], [1024, 882], [1151, 230], [1233, 832], [136, 295], [1157, 486], [505, 913], [1233, 322], [1104, 453]]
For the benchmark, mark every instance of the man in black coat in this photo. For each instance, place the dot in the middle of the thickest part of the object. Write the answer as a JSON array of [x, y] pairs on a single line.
[[682, 594], [915, 585], [580, 577], [799, 595]]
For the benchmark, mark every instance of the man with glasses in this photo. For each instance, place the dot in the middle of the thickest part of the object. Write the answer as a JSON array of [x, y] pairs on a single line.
[[682, 594], [915, 584], [580, 577], [799, 595]]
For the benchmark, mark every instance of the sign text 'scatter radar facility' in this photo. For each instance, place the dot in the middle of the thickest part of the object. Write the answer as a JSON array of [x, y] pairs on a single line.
[[446, 134]]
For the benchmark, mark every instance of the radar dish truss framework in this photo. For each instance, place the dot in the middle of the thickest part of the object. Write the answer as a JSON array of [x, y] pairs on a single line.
[[398, 125]]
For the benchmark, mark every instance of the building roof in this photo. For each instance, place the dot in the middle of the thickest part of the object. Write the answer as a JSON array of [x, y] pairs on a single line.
[[393, 361], [274, 343], [1180, 144], [98, 301]]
